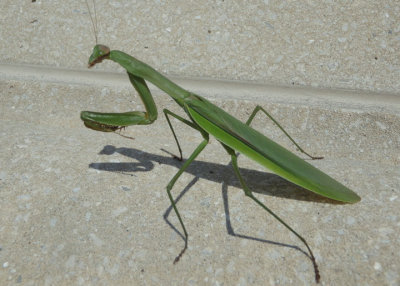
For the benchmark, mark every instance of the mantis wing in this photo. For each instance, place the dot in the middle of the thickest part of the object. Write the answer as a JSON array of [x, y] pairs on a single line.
[[266, 152]]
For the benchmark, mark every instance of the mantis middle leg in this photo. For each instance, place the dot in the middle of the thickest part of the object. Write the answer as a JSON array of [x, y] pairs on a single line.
[[187, 122], [191, 158]]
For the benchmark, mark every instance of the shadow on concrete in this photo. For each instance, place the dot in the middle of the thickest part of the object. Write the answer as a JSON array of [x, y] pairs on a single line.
[[259, 182]]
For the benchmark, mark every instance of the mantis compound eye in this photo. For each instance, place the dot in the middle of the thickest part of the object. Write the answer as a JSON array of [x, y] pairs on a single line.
[[99, 53]]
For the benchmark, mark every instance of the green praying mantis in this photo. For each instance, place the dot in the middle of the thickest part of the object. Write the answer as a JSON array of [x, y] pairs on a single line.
[[208, 119]]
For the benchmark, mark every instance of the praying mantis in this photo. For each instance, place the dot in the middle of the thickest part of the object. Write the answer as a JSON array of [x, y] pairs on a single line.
[[208, 119]]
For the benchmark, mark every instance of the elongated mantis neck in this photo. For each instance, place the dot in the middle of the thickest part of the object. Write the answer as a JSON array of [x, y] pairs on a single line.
[[138, 68]]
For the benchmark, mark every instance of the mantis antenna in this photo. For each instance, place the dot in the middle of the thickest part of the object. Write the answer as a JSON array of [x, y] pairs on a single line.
[[94, 22]]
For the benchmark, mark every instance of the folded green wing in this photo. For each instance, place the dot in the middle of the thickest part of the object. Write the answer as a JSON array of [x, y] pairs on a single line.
[[266, 152]]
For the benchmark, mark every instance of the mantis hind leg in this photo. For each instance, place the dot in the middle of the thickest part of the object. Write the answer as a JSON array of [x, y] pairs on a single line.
[[187, 122], [249, 194], [259, 108]]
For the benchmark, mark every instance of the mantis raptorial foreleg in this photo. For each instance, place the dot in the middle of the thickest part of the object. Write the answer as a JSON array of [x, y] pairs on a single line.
[[249, 194], [110, 122], [259, 108], [145, 95]]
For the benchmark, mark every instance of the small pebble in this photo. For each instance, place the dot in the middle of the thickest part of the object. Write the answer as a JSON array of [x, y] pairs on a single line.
[[377, 266]]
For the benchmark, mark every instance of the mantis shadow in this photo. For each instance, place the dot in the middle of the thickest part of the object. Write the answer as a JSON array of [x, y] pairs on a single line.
[[259, 182]]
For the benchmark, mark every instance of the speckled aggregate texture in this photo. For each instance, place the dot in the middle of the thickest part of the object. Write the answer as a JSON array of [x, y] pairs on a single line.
[[330, 44], [79, 207], [84, 207]]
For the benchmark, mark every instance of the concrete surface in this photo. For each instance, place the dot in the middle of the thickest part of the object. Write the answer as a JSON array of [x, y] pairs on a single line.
[[328, 44], [79, 207]]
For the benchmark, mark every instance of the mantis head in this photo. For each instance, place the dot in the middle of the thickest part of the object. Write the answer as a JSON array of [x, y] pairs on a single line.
[[99, 53]]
